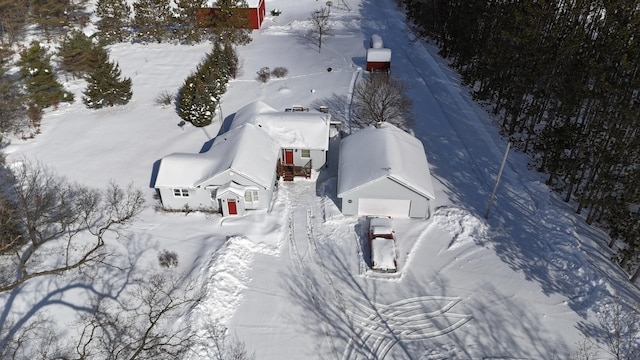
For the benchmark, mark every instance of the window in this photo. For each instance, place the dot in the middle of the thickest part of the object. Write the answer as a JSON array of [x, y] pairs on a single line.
[[251, 196], [305, 153], [181, 192]]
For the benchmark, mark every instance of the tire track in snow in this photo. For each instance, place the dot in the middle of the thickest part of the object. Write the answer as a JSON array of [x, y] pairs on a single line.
[[337, 294], [296, 257], [377, 329], [382, 327]]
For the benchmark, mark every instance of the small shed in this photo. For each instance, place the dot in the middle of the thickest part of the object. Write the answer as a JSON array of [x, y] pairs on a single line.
[[378, 59], [256, 14], [383, 171]]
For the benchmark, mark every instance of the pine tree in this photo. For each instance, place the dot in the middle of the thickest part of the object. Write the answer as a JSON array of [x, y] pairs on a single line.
[[200, 95], [195, 103], [76, 52], [152, 20], [43, 89], [231, 23], [106, 86], [186, 21], [51, 15], [13, 19], [231, 60], [78, 14], [114, 20], [218, 66], [12, 111]]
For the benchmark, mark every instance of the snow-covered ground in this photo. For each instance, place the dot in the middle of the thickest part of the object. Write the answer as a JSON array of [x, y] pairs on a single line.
[[293, 283]]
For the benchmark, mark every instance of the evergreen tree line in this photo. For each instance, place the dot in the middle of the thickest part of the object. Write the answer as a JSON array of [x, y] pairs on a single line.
[[563, 80], [142, 21], [52, 18], [163, 20], [199, 96], [36, 87]]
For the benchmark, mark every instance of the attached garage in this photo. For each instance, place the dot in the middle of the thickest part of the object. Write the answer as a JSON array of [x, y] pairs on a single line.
[[383, 171]]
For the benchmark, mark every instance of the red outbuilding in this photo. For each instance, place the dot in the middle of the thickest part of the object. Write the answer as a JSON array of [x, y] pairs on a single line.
[[255, 12], [378, 59]]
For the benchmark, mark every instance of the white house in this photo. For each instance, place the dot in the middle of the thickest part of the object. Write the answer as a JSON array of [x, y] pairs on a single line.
[[303, 136], [384, 171], [237, 173]]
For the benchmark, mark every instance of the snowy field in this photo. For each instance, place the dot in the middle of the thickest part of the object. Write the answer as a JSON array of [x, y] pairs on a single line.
[[293, 283]]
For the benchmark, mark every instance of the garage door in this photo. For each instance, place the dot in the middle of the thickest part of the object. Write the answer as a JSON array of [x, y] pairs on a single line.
[[385, 207]]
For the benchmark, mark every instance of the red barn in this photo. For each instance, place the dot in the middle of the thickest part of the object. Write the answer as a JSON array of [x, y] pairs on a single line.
[[378, 59], [255, 13]]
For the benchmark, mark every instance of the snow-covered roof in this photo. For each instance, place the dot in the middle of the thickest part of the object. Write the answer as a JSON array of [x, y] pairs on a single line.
[[247, 150], [379, 55], [250, 3], [298, 130], [387, 151], [230, 187], [181, 169]]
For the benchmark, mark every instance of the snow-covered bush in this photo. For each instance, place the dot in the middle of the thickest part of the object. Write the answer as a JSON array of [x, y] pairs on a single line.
[[280, 72], [264, 75], [168, 259]]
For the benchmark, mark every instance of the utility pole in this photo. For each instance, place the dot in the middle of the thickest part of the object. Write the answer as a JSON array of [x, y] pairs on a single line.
[[495, 188]]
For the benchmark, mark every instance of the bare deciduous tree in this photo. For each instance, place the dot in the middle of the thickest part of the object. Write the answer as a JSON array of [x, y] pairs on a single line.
[[219, 346], [36, 340], [63, 225], [586, 350], [620, 325], [379, 98], [320, 26], [10, 237], [141, 325]]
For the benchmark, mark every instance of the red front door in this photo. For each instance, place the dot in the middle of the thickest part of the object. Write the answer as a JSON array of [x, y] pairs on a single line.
[[288, 157], [231, 205]]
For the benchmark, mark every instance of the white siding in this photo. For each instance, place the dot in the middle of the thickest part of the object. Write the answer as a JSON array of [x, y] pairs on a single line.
[[198, 199]]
